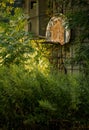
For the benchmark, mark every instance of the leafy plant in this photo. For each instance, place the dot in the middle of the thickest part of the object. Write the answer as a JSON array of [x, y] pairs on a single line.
[[15, 46]]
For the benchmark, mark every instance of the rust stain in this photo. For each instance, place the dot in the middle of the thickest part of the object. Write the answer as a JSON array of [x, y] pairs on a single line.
[[56, 31]]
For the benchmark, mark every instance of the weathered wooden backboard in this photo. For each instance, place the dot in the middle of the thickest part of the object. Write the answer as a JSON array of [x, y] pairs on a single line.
[[57, 30]]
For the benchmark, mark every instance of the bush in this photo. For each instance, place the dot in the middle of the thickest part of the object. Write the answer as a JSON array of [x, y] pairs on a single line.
[[33, 100]]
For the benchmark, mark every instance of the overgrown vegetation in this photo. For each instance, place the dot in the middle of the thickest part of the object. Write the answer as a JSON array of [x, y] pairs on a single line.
[[31, 97]]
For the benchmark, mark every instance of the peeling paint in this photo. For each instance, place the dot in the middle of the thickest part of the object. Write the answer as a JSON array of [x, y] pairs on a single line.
[[57, 30]]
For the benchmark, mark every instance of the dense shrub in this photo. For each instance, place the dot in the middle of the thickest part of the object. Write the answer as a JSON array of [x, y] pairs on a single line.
[[30, 99]]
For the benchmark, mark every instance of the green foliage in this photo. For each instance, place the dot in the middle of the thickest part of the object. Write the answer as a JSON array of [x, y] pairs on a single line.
[[82, 56], [28, 98], [82, 113], [78, 22], [15, 46], [31, 98]]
